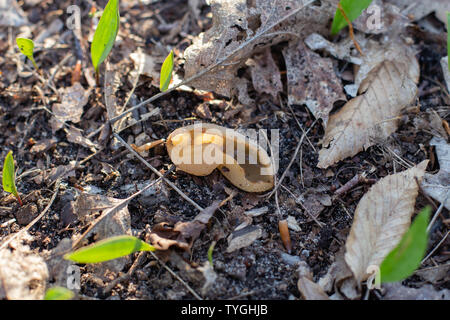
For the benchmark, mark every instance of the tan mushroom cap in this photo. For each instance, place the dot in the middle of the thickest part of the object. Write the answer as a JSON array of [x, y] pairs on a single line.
[[200, 148]]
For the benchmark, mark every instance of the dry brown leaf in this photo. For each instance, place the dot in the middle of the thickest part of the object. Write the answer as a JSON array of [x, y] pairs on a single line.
[[237, 21], [311, 290], [183, 234], [147, 65], [312, 80], [437, 185], [307, 287], [417, 9], [266, 76], [116, 223], [380, 17], [372, 116], [71, 107], [381, 218], [75, 135]]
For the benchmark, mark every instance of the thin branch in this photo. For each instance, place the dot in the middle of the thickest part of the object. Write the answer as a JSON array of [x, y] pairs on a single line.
[[292, 160]]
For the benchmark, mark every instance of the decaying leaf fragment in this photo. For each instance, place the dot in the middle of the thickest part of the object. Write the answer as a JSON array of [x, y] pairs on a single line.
[[437, 185], [418, 9], [182, 234], [385, 91], [200, 148], [265, 74], [71, 107], [237, 21], [311, 80], [381, 218]]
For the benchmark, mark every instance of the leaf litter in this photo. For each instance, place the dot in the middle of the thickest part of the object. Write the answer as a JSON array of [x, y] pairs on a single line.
[[255, 74]]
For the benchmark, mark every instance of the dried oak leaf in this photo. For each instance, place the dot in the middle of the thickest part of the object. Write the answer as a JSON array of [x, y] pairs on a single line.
[[266, 76], [372, 116], [311, 80], [237, 21], [381, 218], [437, 185]]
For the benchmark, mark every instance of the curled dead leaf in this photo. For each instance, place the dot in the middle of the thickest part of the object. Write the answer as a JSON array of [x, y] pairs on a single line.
[[381, 218], [201, 148]]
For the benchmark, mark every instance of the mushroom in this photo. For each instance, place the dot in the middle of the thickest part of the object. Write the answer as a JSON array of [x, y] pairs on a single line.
[[201, 148]]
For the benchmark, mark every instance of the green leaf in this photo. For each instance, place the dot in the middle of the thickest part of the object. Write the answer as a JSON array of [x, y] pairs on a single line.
[[8, 175], [108, 249], [166, 72], [26, 47], [448, 40], [352, 8], [105, 34], [58, 293], [403, 260]]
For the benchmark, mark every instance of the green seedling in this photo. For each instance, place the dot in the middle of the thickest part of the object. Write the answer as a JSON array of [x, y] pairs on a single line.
[[9, 177], [352, 9], [210, 253], [448, 40], [58, 293], [26, 47], [109, 249], [105, 34], [403, 260], [166, 72]]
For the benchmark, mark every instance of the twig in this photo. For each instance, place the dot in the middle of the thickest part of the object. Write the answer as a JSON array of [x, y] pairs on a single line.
[[298, 123], [350, 184], [435, 248], [32, 223], [177, 276], [213, 66], [320, 224], [292, 160], [438, 211], [128, 275], [148, 165]]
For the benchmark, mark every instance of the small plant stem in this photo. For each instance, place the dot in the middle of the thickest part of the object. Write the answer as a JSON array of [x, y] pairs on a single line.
[[18, 199], [34, 64], [350, 28], [97, 78]]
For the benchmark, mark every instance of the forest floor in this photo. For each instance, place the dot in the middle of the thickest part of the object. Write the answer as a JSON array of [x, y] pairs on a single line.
[[58, 163]]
